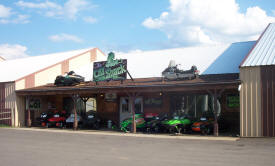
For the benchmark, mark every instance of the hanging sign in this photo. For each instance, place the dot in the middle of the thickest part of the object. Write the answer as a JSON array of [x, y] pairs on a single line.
[[233, 101], [33, 104], [112, 69]]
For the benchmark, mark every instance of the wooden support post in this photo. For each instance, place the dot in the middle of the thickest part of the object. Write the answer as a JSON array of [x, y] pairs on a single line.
[[29, 123], [216, 125], [28, 112], [85, 99], [134, 128], [216, 94], [75, 125]]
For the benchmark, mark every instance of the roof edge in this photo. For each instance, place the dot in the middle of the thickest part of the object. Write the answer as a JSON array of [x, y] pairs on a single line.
[[254, 46], [89, 50]]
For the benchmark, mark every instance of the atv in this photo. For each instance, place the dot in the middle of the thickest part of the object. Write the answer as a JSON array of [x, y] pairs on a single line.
[[126, 125]]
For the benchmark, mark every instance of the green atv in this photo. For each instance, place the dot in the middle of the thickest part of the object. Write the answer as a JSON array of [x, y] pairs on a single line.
[[177, 125], [126, 125]]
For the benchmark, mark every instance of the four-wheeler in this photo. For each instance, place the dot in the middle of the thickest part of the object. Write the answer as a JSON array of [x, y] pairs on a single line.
[[204, 126]]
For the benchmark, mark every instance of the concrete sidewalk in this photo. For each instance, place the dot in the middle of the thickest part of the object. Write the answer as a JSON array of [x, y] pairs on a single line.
[[141, 135]]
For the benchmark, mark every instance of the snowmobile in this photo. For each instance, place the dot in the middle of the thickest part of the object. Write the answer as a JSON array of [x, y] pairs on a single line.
[[173, 73], [91, 121], [43, 119], [126, 125], [205, 126], [177, 124], [69, 80], [57, 120], [153, 122], [70, 121]]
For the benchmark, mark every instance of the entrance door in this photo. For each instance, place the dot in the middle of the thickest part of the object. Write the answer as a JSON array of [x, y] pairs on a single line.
[[125, 107]]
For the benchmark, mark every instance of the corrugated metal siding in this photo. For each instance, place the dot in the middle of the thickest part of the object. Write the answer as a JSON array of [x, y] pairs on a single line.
[[268, 100], [5, 113], [10, 100], [250, 102], [264, 51]]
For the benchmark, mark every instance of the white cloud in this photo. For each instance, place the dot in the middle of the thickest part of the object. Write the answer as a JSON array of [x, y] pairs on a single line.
[[42, 5], [20, 19], [69, 10], [190, 22], [4, 11], [90, 20], [15, 51], [65, 37]]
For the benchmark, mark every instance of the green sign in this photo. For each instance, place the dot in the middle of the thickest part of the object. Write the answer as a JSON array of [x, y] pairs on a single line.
[[233, 101], [112, 69], [34, 104]]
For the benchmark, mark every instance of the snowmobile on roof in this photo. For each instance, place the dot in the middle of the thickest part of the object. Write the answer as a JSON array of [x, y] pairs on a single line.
[[173, 73], [69, 80]]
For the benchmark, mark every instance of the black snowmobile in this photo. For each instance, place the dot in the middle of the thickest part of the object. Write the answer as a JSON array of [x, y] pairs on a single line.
[[91, 120], [69, 80]]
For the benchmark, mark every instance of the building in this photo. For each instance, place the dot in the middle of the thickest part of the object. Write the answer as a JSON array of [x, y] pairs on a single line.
[[236, 85], [36, 71], [214, 89], [257, 93]]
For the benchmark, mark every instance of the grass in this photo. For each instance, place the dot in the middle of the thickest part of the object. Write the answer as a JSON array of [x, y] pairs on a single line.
[[4, 126]]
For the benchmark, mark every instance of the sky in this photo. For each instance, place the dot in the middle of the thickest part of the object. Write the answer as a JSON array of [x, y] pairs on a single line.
[[37, 27]]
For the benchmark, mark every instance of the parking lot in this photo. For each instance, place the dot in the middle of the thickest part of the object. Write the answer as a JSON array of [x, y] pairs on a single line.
[[38, 147]]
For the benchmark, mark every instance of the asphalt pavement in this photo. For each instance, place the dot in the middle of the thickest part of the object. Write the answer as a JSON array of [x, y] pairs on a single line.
[[33, 147]]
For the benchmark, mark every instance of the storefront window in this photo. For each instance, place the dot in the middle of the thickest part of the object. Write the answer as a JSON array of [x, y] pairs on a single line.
[[125, 105], [194, 106], [138, 105]]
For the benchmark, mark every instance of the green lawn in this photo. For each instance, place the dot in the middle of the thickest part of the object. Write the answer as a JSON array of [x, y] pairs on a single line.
[[4, 125]]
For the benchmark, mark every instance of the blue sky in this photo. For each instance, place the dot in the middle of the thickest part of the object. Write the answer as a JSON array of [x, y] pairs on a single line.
[[29, 28]]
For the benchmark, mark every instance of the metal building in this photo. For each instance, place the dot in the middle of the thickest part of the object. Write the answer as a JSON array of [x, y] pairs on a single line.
[[257, 93]]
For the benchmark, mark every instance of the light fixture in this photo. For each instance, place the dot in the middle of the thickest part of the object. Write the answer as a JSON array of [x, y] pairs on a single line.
[[160, 93]]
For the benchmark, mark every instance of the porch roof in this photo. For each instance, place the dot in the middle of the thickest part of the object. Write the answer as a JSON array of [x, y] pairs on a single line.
[[154, 84]]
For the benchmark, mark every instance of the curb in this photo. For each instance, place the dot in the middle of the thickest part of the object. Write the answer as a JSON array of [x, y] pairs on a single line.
[[141, 135]]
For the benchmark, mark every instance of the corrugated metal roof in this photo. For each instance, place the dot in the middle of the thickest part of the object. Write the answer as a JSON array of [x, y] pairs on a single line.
[[12, 70], [211, 59], [264, 51]]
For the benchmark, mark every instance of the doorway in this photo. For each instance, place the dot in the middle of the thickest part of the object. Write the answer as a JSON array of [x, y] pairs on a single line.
[[125, 107]]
